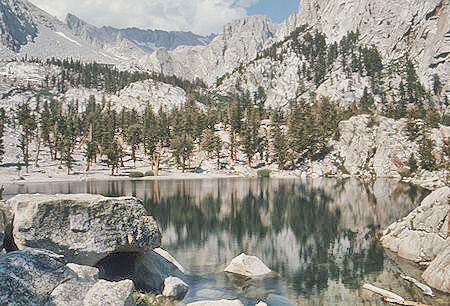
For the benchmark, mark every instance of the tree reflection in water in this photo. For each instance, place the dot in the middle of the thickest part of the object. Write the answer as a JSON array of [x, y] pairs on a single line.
[[318, 235], [258, 213]]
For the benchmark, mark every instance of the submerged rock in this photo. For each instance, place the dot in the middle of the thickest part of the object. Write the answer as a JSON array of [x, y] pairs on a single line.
[[437, 275], [175, 288], [421, 235], [249, 266], [84, 228]]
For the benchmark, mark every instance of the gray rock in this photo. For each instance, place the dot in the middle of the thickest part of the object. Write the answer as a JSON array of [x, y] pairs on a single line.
[[218, 303], [151, 269], [175, 288], [421, 235], [395, 26], [132, 42], [83, 228], [236, 43], [437, 275], [28, 277], [39, 277], [86, 289], [250, 266], [110, 293], [84, 272]]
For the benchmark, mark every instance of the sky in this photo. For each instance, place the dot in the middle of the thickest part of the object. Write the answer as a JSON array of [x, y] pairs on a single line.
[[199, 16]]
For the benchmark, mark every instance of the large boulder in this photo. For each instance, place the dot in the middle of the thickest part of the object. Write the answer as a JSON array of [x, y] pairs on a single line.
[[423, 234], [29, 277], [39, 277], [437, 275], [249, 266], [153, 267], [84, 228]]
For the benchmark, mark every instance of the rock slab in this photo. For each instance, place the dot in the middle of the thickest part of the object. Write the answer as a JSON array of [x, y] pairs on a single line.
[[437, 275], [84, 228], [249, 266], [421, 235], [29, 277], [153, 267]]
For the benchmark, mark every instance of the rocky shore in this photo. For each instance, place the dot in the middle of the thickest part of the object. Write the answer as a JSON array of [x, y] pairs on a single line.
[[81, 250], [424, 237]]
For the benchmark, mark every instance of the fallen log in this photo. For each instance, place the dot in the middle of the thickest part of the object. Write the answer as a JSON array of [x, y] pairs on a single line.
[[382, 292], [426, 290], [402, 302]]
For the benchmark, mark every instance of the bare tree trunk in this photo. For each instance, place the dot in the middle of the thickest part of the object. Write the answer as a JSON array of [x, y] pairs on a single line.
[[38, 148], [157, 164]]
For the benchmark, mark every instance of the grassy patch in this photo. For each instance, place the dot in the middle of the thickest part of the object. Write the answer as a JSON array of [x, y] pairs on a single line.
[[136, 174], [149, 299], [149, 173], [264, 173]]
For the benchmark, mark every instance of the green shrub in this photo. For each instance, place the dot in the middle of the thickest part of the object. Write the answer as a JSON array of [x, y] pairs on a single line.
[[264, 173], [136, 174], [149, 173], [149, 299]]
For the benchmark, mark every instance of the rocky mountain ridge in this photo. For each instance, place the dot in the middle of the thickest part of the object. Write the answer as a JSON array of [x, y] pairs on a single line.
[[132, 43], [420, 28], [237, 43], [29, 31]]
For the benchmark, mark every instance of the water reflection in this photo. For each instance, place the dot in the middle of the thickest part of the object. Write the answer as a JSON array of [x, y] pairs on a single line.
[[318, 235]]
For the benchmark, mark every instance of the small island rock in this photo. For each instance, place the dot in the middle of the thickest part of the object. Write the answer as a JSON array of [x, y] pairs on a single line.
[[250, 266]]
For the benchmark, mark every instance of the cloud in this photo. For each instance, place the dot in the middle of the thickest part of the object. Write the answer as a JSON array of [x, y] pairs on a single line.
[[198, 16]]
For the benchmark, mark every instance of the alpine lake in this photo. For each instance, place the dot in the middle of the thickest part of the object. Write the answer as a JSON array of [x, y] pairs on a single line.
[[319, 236]]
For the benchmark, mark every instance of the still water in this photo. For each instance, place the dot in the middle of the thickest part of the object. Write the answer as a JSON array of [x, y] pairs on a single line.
[[319, 236]]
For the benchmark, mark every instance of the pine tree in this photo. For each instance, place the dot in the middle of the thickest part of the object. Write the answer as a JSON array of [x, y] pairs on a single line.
[[427, 159], [27, 121], [250, 135], [437, 85], [412, 164], [113, 153], [367, 101], [133, 138], [279, 143], [182, 148], [235, 116]]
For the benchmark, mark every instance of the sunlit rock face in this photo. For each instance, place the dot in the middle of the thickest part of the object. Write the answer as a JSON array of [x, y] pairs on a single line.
[[422, 235], [238, 42], [415, 26], [83, 228]]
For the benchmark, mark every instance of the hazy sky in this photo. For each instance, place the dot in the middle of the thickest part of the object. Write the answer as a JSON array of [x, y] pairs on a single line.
[[199, 16]]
